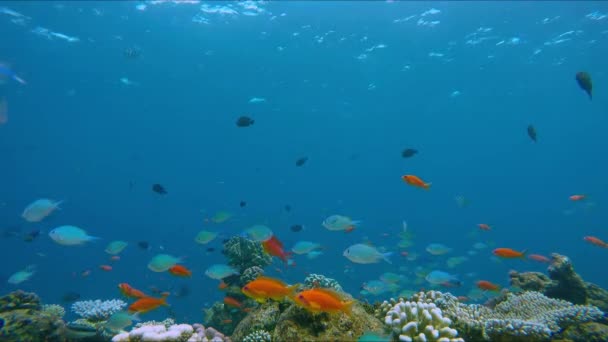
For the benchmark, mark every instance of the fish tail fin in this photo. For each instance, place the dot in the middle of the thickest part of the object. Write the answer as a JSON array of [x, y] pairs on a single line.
[[58, 204], [22, 81], [348, 307], [292, 289], [524, 254], [386, 257], [136, 317], [93, 238], [427, 186]]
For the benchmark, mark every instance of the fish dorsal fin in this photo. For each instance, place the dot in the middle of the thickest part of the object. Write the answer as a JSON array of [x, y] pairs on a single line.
[[272, 280]]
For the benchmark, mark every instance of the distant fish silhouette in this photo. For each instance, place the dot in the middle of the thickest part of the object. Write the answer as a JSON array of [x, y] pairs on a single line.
[[244, 121], [242, 204], [159, 189], [532, 132], [584, 81], [408, 153], [301, 161]]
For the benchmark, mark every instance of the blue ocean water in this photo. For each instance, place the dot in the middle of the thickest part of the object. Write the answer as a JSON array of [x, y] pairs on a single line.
[[347, 84]]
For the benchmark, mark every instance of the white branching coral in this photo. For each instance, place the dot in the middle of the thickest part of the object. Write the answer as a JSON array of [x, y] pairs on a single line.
[[420, 321]]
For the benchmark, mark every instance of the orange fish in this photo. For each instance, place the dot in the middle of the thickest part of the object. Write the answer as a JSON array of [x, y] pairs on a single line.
[[106, 268], [484, 226], [415, 181], [264, 288], [596, 241], [222, 285], [233, 302], [274, 247], [509, 253], [130, 292], [323, 300], [539, 258], [349, 229], [146, 304], [227, 321], [180, 271], [487, 286], [577, 197]]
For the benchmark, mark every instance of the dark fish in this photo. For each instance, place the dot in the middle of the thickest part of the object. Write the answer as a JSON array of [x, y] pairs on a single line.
[[211, 249], [532, 132], [143, 245], [408, 153], [69, 297], [243, 204], [31, 236], [301, 161], [244, 121], [287, 208], [1, 323], [132, 52], [159, 189], [584, 81], [296, 228]]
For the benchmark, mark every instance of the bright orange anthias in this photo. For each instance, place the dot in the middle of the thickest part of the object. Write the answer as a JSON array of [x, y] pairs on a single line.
[[509, 253], [146, 304], [180, 271], [274, 247], [484, 226], [264, 288], [488, 286], [596, 241], [415, 181], [130, 292], [322, 300]]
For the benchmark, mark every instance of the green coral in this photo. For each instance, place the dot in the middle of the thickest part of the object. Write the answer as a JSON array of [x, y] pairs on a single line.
[[24, 319], [258, 336], [318, 280], [243, 253], [264, 317], [54, 309]]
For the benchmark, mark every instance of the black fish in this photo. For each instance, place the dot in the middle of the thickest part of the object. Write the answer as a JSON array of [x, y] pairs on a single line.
[[584, 81], [287, 208], [31, 236], [132, 52], [159, 189], [70, 297], [243, 204], [532, 132], [244, 121], [143, 245], [301, 161], [408, 153], [296, 228], [211, 249]]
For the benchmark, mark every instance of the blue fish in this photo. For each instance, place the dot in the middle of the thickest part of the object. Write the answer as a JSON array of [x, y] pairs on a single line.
[[6, 71]]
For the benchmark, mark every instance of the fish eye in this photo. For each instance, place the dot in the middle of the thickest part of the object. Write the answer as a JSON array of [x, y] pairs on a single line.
[[246, 288], [301, 297]]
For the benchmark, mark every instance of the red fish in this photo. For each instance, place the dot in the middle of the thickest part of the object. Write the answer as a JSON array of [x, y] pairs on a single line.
[[539, 258], [180, 271], [274, 247], [487, 286], [146, 304], [596, 241], [577, 197], [130, 292], [415, 181], [484, 226], [509, 253], [106, 268]]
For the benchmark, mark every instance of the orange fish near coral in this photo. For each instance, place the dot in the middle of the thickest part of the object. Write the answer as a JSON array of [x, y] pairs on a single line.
[[130, 292], [539, 258], [509, 253], [577, 197], [180, 271], [323, 300], [233, 302], [146, 304], [415, 181], [274, 247], [487, 286], [595, 241], [484, 226], [264, 288]]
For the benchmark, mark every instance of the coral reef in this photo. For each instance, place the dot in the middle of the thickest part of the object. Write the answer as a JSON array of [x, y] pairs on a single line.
[[420, 321], [54, 310], [97, 310], [563, 283], [527, 316], [289, 322], [243, 253], [175, 332], [251, 274], [25, 320], [258, 336], [318, 280]]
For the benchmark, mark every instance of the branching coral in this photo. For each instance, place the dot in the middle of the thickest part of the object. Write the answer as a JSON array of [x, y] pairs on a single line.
[[176, 332], [258, 336], [318, 280], [97, 310]]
